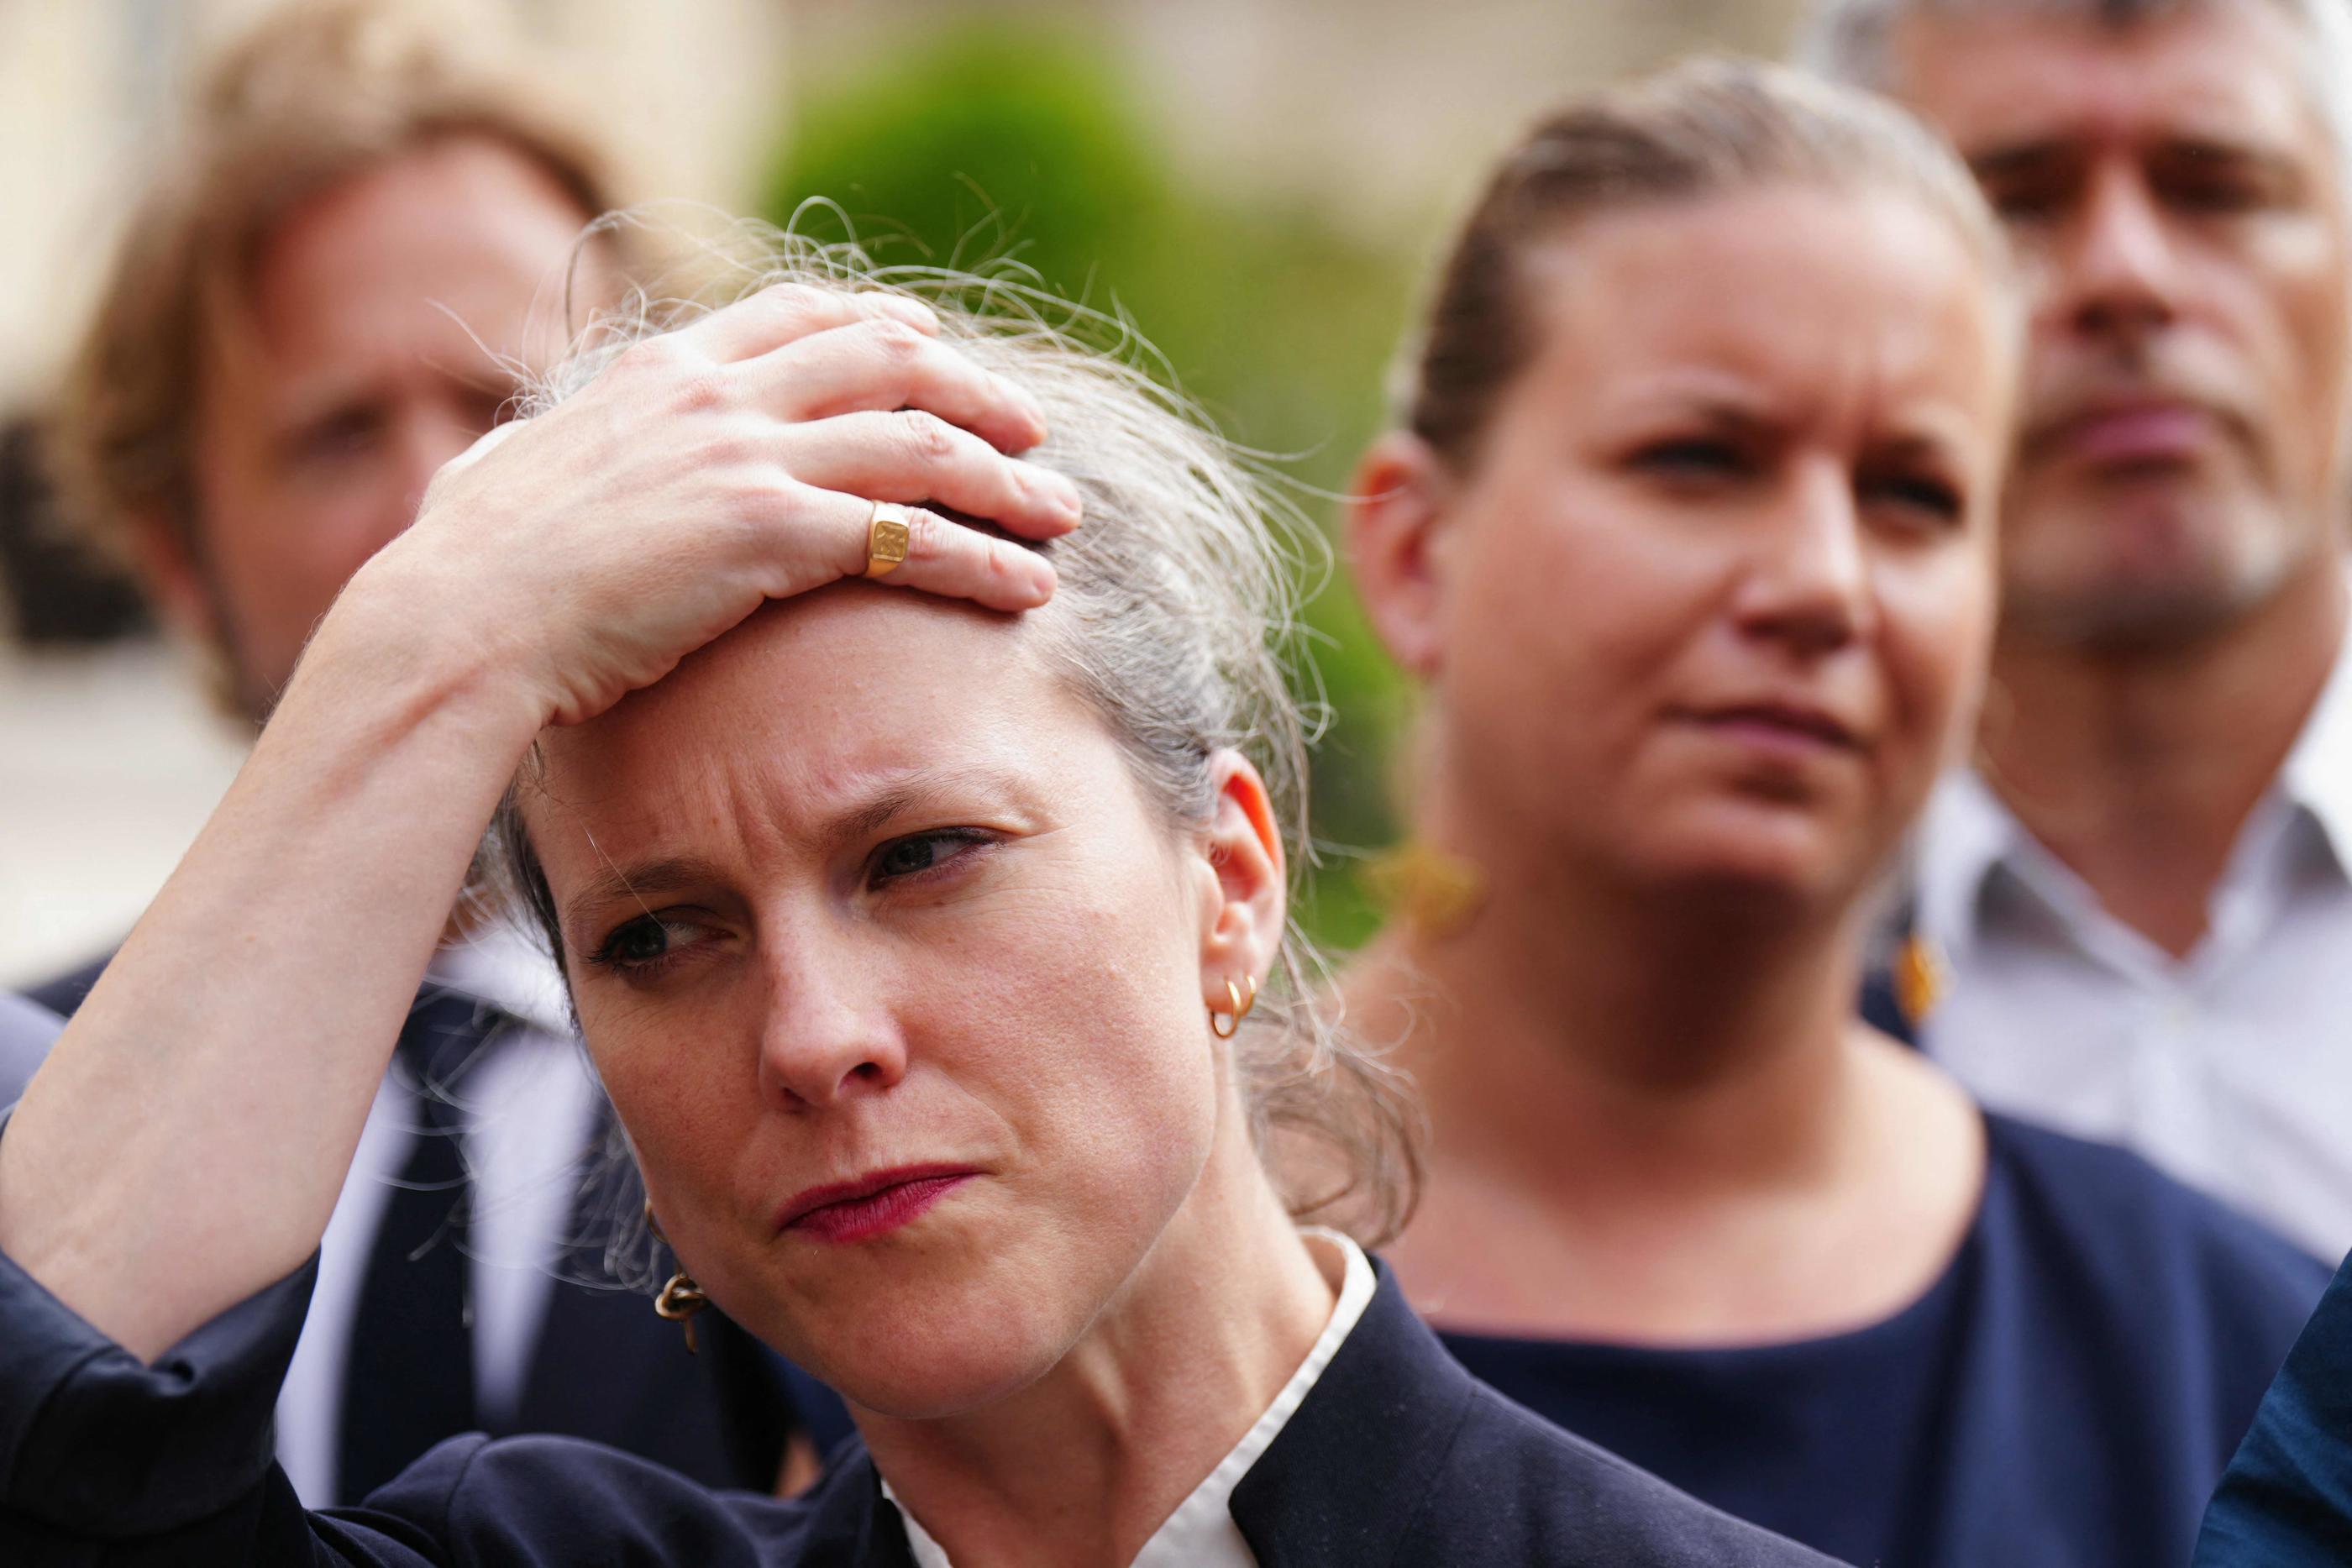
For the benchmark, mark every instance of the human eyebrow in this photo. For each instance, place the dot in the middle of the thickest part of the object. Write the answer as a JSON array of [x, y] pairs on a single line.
[[2272, 173], [2011, 159], [633, 884], [904, 793]]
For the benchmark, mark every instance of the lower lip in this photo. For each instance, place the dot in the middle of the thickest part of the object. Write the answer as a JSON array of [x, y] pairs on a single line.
[[2147, 436], [1770, 740], [858, 1219]]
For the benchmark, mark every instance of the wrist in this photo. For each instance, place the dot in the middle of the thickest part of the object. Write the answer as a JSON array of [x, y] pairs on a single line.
[[402, 652]]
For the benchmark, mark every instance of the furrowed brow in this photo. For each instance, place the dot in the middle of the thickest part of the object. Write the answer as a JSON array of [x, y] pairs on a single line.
[[910, 792], [633, 884]]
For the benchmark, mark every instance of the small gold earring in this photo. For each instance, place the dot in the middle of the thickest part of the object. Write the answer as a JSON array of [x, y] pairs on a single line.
[[1224, 1026], [680, 1298]]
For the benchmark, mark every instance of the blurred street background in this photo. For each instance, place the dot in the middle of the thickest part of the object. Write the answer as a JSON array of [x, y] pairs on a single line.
[[1256, 184]]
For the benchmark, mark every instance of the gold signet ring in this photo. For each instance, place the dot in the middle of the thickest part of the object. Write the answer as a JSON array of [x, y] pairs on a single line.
[[886, 538]]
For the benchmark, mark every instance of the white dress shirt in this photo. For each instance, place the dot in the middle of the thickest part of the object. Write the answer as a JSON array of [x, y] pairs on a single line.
[[2230, 1069], [530, 1107], [1202, 1534]]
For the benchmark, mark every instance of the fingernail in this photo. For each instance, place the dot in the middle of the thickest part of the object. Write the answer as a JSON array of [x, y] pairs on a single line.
[[1045, 486]]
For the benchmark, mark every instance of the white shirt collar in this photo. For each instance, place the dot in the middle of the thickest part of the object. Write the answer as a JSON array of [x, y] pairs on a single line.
[[1964, 834], [500, 965], [1202, 1534], [1967, 832], [2317, 775]]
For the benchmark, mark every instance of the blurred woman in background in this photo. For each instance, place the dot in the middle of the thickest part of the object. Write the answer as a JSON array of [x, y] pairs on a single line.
[[1687, 533]]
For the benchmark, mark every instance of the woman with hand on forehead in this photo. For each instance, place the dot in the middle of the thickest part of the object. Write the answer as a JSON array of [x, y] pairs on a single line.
[[932, 946], [1687, 532]]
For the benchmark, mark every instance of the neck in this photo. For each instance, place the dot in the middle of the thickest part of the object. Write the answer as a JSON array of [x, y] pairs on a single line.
[[1082, 1465], [2137, 767], [1602, 1044]]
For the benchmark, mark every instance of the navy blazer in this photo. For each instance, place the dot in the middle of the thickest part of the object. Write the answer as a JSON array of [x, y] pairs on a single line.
[[26, 1030], [1396, 1456], [604, 1366], [2287, 1499]]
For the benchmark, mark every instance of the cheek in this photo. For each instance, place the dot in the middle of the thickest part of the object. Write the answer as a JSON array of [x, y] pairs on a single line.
[[1091, 1013], [682, 1081], [1936, 628], [1572, 603]]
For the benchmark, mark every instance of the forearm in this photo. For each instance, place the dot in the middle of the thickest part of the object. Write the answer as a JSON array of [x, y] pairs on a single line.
[[184, 1142]]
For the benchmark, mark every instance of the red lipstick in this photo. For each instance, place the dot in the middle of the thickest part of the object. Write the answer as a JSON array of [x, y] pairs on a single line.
[[871, 1204]]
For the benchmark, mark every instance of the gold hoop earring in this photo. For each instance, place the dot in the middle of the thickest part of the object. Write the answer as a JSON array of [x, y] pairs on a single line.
[[1224, 1026], [680, 1298]]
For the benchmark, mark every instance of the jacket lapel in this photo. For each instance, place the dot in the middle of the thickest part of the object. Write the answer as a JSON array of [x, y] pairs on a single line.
[[851, 1524], [1354, 1464]]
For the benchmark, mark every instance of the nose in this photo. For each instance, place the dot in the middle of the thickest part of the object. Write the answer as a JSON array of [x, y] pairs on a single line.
[[1807, 586], [2118, 272], [826, 1036]]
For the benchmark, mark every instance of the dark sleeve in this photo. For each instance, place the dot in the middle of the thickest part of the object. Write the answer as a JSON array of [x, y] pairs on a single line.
[[26, 1030], [106, 1460], [2287, 1499]]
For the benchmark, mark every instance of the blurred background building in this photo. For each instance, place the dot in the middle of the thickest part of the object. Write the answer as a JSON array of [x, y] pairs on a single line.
[[1256, 184]]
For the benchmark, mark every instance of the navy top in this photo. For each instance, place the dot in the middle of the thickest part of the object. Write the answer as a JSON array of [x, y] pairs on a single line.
[[2287, 1502], [1396, 1457], [2066, 1393]]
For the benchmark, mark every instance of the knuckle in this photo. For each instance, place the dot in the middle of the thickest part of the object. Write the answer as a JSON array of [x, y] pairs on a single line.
[[895, 340], [928, 436], [648, 356], [927, 538], [791, 304], [701, 391]]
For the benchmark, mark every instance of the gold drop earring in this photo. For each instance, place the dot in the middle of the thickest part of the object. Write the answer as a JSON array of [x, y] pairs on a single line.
[[681, 1298]]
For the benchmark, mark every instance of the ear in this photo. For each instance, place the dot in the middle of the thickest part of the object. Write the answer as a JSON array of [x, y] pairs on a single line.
[[1396, 513], [1242, 923], [175, 584]]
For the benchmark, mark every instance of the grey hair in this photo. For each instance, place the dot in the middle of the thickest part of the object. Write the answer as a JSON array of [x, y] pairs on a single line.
[[1853, 41], [1175, 620]]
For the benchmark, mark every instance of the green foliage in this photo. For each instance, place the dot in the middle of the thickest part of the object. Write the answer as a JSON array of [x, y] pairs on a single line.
[[1006, 142]]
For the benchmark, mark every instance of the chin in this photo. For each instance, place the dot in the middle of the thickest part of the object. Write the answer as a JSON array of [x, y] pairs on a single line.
[[2154, 571], [925, 1349], [1784, 869]]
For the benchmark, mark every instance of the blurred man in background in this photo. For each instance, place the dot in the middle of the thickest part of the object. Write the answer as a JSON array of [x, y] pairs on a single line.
[[2139, 896], [324, 294]]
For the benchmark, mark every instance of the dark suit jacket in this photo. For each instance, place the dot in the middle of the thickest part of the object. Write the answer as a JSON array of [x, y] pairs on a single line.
[[607, 1369], [1396, 1456], [2286, 1499], [26, 1030]]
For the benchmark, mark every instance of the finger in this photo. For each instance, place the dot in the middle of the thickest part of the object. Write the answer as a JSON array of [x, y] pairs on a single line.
[[911, 455], [946, 557], [766, 321], [884, 364]]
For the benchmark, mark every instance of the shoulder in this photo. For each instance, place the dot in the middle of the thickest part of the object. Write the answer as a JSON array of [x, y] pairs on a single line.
[[535, 1500], [2106, 1254], [1531, 1492], [2113, 1206]]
